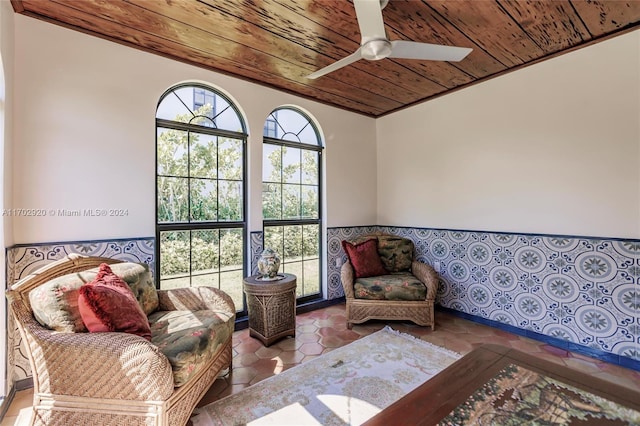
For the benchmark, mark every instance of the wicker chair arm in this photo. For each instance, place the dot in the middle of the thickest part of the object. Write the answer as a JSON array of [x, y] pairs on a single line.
[[428, 276], [98, 365], [347, 277], [195, 299]]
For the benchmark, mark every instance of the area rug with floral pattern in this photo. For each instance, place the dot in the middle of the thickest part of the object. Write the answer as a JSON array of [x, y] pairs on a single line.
[[346, 386]]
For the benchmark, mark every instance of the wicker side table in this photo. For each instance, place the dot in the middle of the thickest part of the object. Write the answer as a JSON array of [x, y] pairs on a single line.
[[272, 307]]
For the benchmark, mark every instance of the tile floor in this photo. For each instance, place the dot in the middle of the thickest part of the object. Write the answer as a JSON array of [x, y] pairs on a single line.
[[321, 331]]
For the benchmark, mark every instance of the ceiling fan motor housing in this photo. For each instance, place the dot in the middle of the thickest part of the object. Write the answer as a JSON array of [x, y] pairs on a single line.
[[375, 49]]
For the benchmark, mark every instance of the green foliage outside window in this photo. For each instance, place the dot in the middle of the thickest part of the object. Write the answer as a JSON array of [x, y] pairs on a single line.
[[290, 200], [209, 248], [205, 169], [285, 195], [199, 179]]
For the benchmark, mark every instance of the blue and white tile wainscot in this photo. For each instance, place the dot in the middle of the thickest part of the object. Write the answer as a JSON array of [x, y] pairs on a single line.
[[256, 248], [578, 293], [23, 259]]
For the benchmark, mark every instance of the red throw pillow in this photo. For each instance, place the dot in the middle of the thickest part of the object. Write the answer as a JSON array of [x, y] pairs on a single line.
[[364, 258], [108, 304]]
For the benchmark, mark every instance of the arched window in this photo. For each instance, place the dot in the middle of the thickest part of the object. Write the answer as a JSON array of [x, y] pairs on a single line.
[[200, 209], [291, 196]]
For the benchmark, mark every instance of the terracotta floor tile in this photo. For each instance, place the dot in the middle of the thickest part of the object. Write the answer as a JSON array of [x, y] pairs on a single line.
[[288, 344], [239, 337], [348, 335], [261, 376], [310, 357], [340, 325], [332, 341], [268, 352], [473, 338], [233, 389], [249, 345], [625, 381], [562, 353], [497, 340], [326, 322], [311, 349], [460, 346], [324, 330], [328, 331], [526, 345], [505, 334], [307, 337], [320, 313], [269, 366], [550, 357], [242, 375], [336, 309], [291, 357], [244, 359], [435, 339], [585, 366], [368, 327], [306, 318], [288, 366], [338, 317], [454, 329], [307, 328], [214, 393], [21, 400]]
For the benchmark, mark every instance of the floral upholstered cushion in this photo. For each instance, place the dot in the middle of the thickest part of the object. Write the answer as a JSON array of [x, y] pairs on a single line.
[[55, 303], [398, 286], [188, 339], [395, 252]]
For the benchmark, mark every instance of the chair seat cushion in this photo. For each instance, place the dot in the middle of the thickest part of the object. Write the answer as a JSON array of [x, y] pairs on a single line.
[[398, 286], [189, 338]]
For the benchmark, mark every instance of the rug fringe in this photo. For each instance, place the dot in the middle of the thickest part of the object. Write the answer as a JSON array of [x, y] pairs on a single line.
[[437, 348]]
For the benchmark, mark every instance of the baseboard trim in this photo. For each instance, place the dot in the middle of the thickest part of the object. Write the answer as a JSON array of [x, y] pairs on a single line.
[[6, 402], [318, 304], [611, 358]]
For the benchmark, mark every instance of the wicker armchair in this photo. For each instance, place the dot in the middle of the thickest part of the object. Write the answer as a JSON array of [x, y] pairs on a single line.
[[364, 304], [82, 378]]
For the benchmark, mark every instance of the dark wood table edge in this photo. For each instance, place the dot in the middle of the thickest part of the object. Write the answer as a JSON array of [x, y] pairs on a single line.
[[437, 397]]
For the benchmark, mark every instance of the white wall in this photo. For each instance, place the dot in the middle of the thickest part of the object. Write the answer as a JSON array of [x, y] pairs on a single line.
[[6, 138], [85, 136], [552, 148]]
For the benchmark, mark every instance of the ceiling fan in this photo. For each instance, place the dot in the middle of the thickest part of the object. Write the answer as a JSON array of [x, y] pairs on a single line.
[[375, 45]]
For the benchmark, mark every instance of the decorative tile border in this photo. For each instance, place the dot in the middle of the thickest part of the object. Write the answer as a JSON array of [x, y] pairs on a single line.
[[23, 259], [257, 246], [336, 256], [579, 290]]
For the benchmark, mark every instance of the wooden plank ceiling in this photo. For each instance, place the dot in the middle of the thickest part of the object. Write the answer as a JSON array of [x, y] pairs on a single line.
[[277, 43]]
